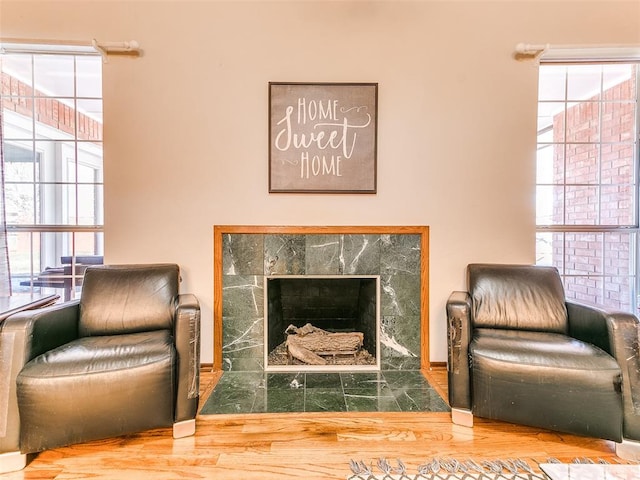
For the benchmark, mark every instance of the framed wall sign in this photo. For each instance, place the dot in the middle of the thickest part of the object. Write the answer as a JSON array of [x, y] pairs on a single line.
[[323, 137]]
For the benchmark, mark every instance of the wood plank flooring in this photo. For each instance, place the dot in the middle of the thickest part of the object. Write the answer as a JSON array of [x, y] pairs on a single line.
[[310, 446]]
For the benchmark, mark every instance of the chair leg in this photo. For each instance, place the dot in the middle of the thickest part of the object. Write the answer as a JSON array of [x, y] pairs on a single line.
[[462, 417], [185, 428], [628, 450], [12, 461]]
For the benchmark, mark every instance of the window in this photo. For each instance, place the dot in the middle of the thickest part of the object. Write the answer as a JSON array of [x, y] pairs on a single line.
[[52, 133], [587, 183]]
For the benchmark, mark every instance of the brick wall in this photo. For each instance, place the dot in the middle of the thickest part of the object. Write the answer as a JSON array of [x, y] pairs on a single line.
[[18, 97], [602, 260]]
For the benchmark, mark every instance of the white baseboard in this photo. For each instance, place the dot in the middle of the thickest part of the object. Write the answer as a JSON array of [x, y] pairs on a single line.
[[12, 462]]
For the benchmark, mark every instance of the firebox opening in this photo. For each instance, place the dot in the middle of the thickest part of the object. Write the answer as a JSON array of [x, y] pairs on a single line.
[[333, 304]]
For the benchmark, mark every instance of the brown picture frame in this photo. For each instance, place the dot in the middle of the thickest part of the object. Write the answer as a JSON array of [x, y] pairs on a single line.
[[323, 137]]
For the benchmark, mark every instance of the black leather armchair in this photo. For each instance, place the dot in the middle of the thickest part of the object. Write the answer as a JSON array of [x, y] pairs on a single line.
[[123, 358], [519, 352]]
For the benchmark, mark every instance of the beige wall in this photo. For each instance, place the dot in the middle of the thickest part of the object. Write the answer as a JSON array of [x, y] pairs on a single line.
[[186, 124]]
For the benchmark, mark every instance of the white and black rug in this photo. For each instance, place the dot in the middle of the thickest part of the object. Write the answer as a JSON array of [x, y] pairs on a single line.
[[512, 469]]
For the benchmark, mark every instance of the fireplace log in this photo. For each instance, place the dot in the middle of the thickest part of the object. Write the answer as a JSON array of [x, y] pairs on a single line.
[[303, 354], [308, 343]]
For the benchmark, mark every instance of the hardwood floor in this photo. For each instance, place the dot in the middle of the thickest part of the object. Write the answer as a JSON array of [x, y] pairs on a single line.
[[309, 446]]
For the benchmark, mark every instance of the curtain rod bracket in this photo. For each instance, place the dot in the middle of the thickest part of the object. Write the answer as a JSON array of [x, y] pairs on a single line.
[[531, 51], [100, 49], [124, 48]]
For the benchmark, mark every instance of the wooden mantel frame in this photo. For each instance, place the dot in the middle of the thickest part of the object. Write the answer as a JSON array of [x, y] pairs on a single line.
[[220, 230]]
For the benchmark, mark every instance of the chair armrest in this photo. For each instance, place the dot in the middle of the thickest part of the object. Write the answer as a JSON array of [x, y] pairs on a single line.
[[589, 324], [458, 337], [24, 336], [617, 334], [187, 336], [623, 332], [34, 332]]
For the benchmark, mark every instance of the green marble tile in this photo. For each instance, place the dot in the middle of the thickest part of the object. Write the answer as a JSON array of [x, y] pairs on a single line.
[[400, 254], [285, 381], [420, 400], [320, 400], [392, 362], [243, 296], [284, 254], [361, 400], [400, 337], [366, 380], [360, 254], [240, 381], [322, 254], [229, 401], [276, 400], [400, 295], [242, 254], [405, 379], [323, 381], [406, 331], [231, 363]]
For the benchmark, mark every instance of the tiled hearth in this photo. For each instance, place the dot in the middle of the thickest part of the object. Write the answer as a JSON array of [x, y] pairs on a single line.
[[259, 392]]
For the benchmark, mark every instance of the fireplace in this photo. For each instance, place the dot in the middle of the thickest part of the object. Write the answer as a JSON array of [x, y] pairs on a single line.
[[245, 257], [322, 322]]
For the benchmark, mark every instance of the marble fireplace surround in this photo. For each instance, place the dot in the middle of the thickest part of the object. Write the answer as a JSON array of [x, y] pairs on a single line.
[[245, 254]]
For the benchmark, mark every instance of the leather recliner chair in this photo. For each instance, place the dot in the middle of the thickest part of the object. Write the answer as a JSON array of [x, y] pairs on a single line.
[[123, 358], [519, 352]]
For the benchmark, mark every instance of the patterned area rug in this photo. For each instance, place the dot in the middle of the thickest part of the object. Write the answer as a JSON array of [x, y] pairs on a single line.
[[564, 471], [451, 469]]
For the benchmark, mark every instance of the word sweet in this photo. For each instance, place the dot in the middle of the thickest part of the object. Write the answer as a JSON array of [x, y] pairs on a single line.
[[317, 126]]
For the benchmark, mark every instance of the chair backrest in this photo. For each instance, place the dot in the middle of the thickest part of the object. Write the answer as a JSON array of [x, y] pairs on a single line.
[[522, 297], [128, 298]]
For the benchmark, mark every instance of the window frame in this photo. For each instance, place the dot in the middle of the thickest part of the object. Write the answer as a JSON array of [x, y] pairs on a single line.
[[83, 149], [597, 228]]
